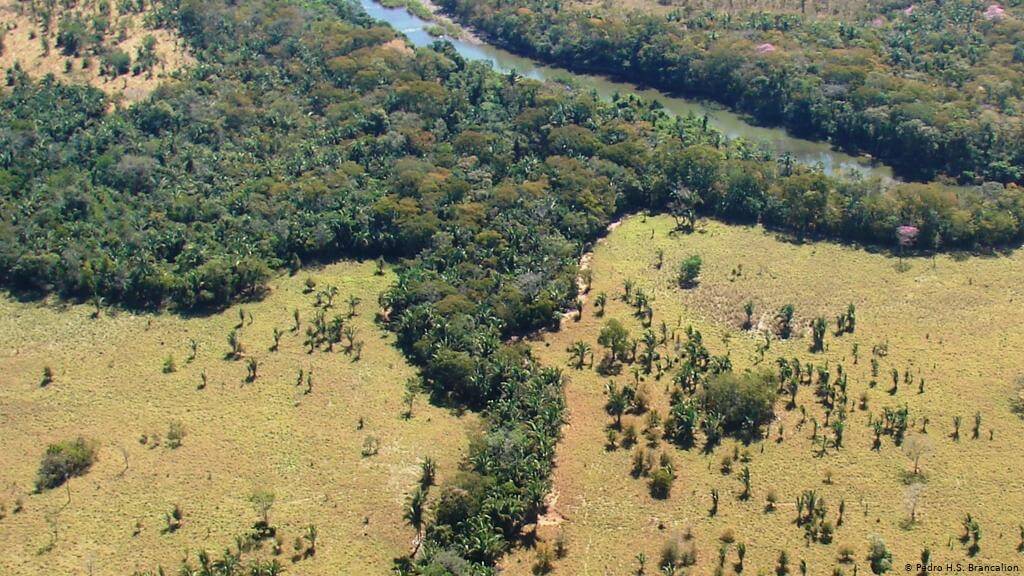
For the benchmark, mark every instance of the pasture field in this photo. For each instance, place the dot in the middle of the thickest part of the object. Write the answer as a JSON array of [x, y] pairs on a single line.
[[29, 37], [953, 321], [109, 385]]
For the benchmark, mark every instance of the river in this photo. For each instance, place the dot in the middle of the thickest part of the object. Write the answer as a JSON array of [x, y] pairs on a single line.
[[732, 125]]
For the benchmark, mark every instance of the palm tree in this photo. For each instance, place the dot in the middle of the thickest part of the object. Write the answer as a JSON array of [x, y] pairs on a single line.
[[414, 514], [311, 536], [578, 352], [353, 301], [616, 404], [600, 300]]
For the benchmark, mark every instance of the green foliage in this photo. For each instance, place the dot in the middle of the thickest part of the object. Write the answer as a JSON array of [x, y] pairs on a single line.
[[63, 461], [689, 270], [743, 401], [661, 483], [879, 555], [894, 87]]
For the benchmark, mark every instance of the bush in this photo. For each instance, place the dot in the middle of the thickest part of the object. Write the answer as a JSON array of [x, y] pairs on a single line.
[[116, 63], [661, 483], [175, 434], [879, 556], [742, 400], [63, 461], [689, 270]]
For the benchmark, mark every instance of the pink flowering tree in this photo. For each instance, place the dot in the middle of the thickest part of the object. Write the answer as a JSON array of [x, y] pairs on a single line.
[[906, 236]]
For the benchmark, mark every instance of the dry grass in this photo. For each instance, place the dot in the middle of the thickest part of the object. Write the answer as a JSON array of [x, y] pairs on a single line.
[[22, 43], [954, 322], [109, 386]]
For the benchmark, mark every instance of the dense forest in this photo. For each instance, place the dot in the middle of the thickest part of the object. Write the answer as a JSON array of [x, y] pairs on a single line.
[[931, 88], [306, 132]]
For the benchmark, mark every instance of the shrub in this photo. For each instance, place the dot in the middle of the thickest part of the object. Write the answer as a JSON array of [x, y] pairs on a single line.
[[116, 63], [544, 563], [175, 434], [689, 270], [65, 460], [879, 555], [661, 483], [371, 446]]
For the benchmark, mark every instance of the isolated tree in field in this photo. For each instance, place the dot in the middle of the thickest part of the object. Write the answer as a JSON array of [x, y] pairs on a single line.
[[972, 535], [956, 427], [784, 318], [748, 311], [63, 461], [818, 327], [262, 501], [277, 339], [615, 337], [175, 434], [311, 536], [661, 483], [714, 502], [47, 377], [916, 446], [601, 300], [251, 365], [353, 301], [578, 352], [234, 346], [976, 431], [782, 564], [428, 472], [173, 520], [689, 271], [617, 403], [415, 508], [745, 479], [879, 555]]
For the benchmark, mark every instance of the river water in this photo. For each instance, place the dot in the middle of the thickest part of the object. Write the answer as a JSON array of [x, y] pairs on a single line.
[[804, 151]]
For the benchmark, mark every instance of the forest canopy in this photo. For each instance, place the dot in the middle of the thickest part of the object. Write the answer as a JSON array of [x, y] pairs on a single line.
[[305, 131], [933, 88]]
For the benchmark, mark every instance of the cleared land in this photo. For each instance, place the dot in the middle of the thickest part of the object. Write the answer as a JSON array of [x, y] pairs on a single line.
[[954, 322], [241, 437], [30, 38]]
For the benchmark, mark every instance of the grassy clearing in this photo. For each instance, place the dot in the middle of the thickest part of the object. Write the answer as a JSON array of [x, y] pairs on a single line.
[[25, 32], [954, 322], [109, 385]]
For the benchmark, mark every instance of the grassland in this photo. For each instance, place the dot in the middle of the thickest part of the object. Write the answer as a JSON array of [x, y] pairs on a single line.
[[955, 322], [29, 38], [109, 385]]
